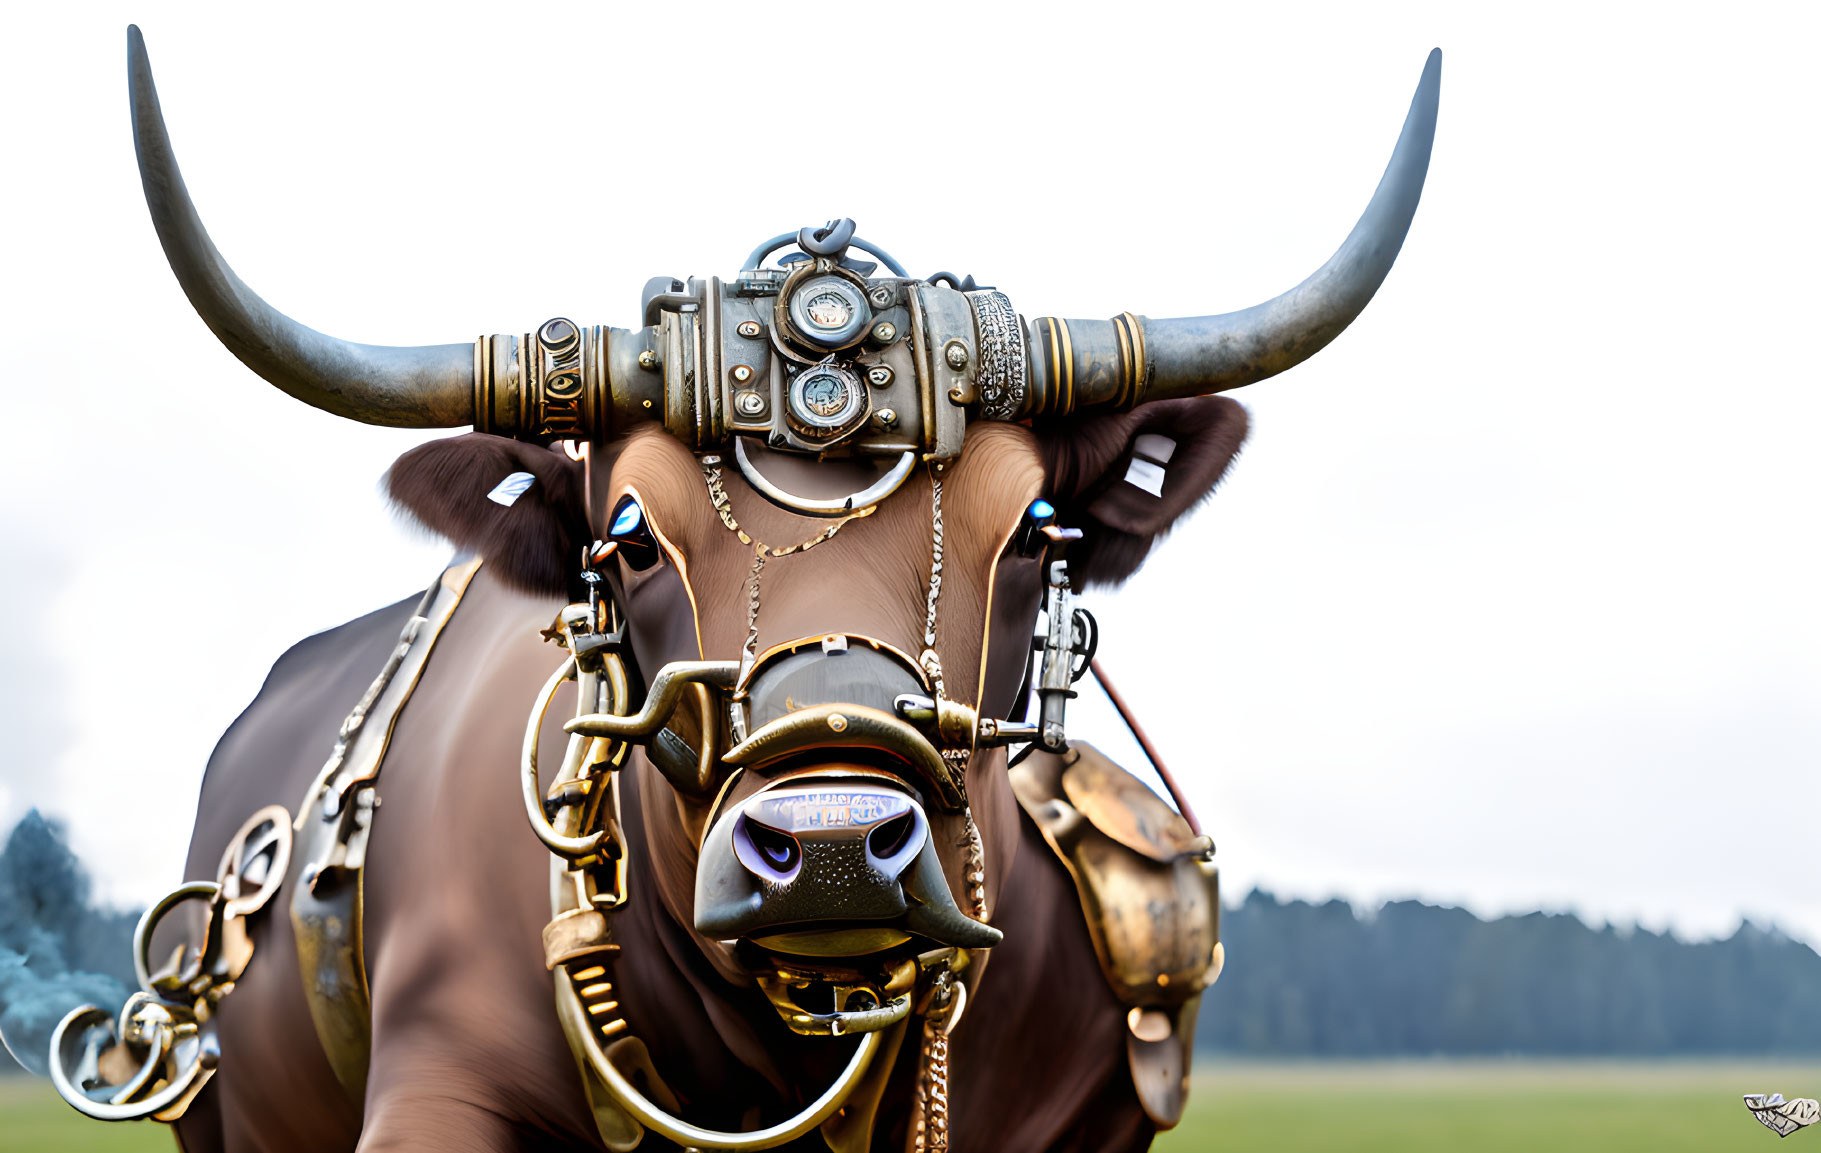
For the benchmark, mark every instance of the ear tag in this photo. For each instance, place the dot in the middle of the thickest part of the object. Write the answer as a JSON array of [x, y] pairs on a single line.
[[1150, 453], [507, 491]]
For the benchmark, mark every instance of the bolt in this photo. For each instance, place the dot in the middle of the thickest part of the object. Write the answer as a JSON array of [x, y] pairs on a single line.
[[749, 403], [748, 328]]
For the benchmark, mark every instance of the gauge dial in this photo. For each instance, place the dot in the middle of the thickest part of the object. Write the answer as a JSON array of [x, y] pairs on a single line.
[[826, 398], [828, 312]]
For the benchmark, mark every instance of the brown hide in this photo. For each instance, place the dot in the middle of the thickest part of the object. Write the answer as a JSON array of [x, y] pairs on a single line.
[[467, 1053]]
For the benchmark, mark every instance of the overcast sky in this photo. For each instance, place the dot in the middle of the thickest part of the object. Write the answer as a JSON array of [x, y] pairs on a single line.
[[1510, 602]]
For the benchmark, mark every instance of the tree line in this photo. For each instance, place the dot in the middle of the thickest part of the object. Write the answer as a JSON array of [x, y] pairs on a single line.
[[1321, 980]]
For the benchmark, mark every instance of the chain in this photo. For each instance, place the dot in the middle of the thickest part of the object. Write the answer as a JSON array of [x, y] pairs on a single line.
[[932, 1092], [711, 474]]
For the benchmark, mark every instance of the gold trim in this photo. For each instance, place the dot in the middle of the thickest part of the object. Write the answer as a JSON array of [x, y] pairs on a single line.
[[1068, 357], [1141, 372]]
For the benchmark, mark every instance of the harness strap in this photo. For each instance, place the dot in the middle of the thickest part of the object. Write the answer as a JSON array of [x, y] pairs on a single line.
[[333, 825]]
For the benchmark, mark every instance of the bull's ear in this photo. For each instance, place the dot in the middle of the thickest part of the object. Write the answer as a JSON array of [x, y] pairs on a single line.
[[519, 506], [1125, 478]]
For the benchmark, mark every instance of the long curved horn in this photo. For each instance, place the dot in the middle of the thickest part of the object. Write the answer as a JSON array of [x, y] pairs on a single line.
[[430, 386], [1126, 361]]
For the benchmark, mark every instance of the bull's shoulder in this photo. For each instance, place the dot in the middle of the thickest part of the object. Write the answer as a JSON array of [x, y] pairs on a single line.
[[275, 747]]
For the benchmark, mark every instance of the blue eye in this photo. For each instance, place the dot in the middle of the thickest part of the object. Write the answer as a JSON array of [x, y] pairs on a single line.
[[628, 530], [629, 518]]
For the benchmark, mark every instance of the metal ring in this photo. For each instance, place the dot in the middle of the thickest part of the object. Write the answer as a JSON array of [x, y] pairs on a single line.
[[567, 847], [148, 921], [807, 506], [682, 1132]]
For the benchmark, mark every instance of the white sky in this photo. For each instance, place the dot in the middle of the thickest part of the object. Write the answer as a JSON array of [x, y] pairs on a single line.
[[1511, 600]]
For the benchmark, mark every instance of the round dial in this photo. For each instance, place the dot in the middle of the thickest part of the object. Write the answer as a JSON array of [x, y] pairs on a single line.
[[829, 312], [826, 398]]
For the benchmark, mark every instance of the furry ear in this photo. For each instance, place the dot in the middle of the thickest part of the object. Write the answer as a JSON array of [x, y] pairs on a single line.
[[1125, 478], [519, 506]]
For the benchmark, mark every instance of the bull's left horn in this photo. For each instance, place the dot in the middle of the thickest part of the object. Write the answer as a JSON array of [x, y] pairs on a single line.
[[429, 386], [1127, 361]]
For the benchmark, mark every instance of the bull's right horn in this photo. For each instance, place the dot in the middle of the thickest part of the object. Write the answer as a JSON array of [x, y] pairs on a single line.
[[431, 386], [1127, 361]]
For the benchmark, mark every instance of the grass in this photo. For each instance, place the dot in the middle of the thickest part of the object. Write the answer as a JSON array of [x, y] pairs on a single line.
[[1374, 1107], [1485, 1106]]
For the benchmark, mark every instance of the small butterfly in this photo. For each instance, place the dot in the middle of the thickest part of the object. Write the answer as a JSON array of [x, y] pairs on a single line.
[[1783, 1117]]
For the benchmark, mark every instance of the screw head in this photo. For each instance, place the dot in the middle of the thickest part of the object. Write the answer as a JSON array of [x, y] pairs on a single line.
[[880, 296], [886, 418], [956, 354], [885, 332], [749, 403], [742, 373], [748, 328], [648, 359], [879, 376]]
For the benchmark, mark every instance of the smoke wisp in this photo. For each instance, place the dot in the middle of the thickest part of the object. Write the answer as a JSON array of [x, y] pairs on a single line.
[[57, 951]]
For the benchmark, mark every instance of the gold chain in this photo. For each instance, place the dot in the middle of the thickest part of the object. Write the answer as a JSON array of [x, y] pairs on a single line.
[[932, 1091], [711, 474]]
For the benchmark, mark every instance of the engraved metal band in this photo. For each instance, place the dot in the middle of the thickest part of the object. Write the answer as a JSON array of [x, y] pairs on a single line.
[[1001, 373], [546, 385]]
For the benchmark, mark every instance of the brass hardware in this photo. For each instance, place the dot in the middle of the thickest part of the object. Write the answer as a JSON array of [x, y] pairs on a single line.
[[161, 1051], [861, 728], [334, 823], [648, 360], [1151, 896]]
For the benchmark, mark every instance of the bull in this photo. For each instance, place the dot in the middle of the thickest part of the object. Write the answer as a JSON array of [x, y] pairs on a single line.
[[765, 571]]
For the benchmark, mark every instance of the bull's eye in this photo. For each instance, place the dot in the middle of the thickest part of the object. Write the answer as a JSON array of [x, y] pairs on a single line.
[[888, 838], [629, 530]]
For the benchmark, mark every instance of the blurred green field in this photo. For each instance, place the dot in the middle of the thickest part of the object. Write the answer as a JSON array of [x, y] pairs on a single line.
[[1487, 1106], [1393, 1107]]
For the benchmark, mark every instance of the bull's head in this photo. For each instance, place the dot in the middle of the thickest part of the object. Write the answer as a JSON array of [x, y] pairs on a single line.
[[827, 504]]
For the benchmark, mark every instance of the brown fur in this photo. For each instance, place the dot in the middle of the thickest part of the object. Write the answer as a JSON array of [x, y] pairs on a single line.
[[1085, 459], [534, 544], [467, 1053]]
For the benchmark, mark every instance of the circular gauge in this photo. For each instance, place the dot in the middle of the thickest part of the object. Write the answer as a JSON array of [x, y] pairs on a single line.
[[829, 312], [826, 398]]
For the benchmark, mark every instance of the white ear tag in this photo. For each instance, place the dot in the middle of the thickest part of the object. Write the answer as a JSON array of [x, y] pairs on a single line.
[[509, 490], [1150, 453], [1141, 473]]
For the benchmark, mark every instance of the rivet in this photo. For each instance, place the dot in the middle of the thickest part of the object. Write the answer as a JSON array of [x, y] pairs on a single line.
[[749, 403], [837, 722], [748, 328], [956, 353], [648, 359], [885, 332], [879, 375], [742, 373]]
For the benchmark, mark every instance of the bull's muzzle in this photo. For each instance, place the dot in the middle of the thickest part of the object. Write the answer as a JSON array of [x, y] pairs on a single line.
[[829, 866]]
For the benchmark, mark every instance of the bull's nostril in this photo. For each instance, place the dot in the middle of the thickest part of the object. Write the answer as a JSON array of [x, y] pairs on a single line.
[[779, 850], [888, 838]]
